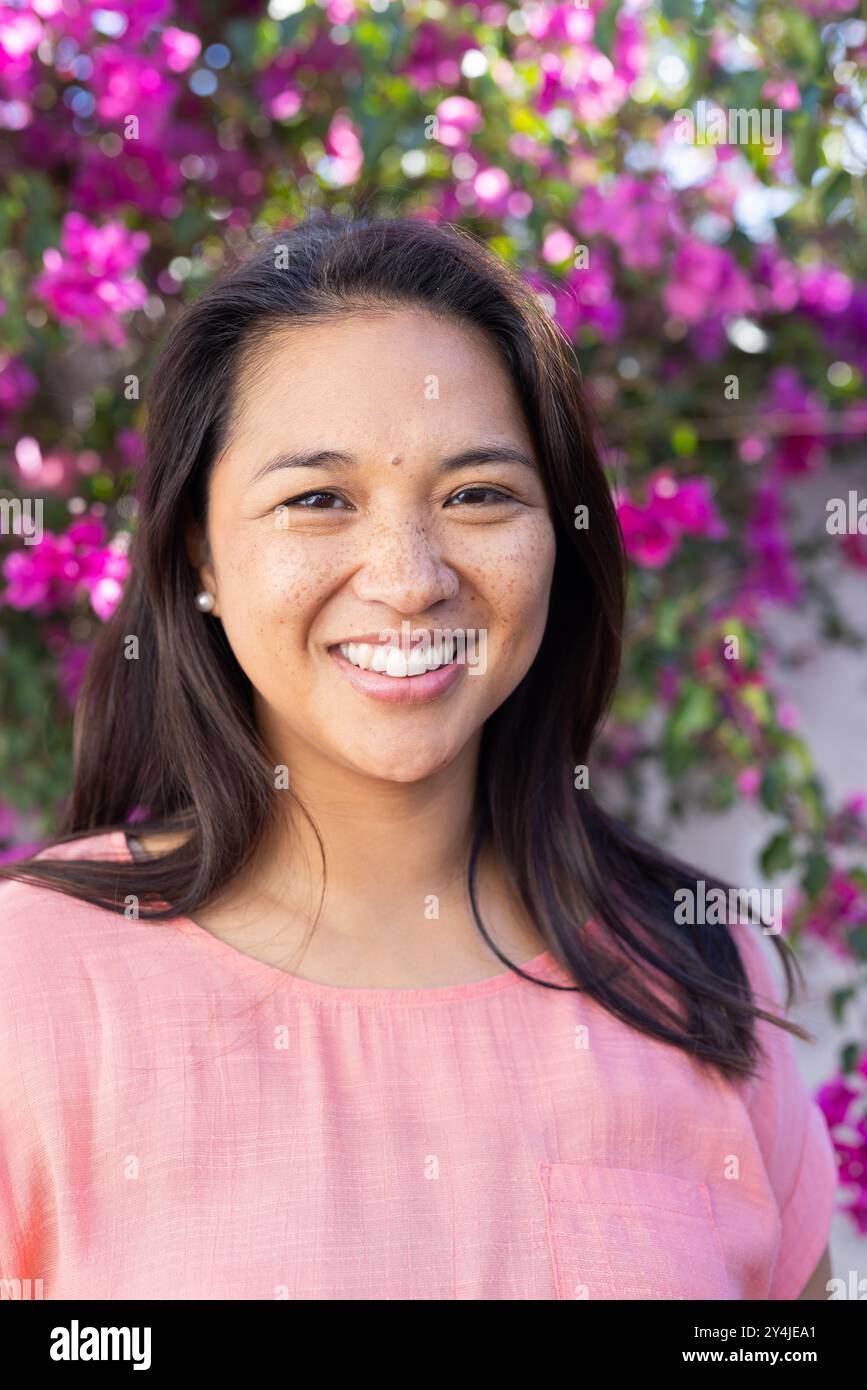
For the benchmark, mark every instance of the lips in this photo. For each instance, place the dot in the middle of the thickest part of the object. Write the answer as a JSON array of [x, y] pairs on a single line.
[[399, 688]]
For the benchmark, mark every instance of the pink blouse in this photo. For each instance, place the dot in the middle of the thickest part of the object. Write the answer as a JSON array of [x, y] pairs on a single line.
[[181, 1121]]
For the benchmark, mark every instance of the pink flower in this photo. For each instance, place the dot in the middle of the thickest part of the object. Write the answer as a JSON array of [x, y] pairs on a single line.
[[435, 58], [638, 215], [343, 149], [686, 505], [584, 296], [91, 281], [835, 1100], [17, 385], [20, 35], [491, 187], [181, 48], [800, 442], [776, 281], [126, 83], [630, 48], [786, 94], [841, 907], [458, 118], [675, 507], [705, 280], [748, 781], [144, 178], [647, 541], [52, 573], [773, 574]]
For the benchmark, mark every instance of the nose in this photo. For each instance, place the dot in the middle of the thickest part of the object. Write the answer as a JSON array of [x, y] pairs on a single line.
[[403, 568]]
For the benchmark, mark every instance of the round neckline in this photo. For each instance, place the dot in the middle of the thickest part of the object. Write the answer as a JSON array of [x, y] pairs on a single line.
[[347, 994]]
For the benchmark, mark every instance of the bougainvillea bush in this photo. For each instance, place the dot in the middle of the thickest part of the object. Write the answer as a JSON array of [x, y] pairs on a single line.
[[682, 184]]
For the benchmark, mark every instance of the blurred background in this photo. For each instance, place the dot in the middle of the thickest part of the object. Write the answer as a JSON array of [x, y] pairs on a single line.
[[682, 183]]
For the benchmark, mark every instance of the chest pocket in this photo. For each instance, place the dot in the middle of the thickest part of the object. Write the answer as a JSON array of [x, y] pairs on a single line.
[[620, 1233]]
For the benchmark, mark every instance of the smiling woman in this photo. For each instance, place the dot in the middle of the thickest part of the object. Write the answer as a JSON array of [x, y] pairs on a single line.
[[282, 999]]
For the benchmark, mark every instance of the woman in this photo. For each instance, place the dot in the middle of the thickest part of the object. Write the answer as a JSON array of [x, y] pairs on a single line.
[[265, 1047]]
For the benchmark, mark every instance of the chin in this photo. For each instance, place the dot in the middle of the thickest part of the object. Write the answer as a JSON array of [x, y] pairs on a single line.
[[414, 766]]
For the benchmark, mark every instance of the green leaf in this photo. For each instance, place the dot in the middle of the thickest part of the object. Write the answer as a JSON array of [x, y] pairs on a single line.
[[774, 785], [668, 623], [839, 999], [834, 190], [678, 9], [694, 712], [817, 871], [857, 939], [778, 855]]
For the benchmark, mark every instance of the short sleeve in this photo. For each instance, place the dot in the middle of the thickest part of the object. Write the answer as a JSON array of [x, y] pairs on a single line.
[[791, 1131]]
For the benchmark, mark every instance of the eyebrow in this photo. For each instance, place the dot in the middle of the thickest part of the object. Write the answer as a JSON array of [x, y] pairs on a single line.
[[335, 458]]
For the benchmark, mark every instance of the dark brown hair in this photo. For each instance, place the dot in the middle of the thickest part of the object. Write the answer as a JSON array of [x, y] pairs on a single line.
[[174, 731]]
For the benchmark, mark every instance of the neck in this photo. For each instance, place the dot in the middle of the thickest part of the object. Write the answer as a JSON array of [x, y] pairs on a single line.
[[388, 846]]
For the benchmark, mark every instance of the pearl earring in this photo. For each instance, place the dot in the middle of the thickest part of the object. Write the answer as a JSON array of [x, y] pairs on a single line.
[[205, 601]]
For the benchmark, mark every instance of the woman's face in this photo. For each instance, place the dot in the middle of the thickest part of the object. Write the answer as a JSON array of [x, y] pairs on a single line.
[[308, 557]]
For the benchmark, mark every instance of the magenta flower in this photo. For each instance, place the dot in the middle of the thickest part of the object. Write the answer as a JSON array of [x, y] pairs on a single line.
[[773, 574], [630, 50], [675, 508], [20, 35], [491, 187], [91, 281], [835, 1101], [841, 907], [75, 21], [686, 505], [345, 155], [785, 94], [638, 215], [458, 119], [17, 385], [798, 426], [126, 83], [52, 573], [748, 781], [776, 281], [435, 58], [181, 48], [145, 179], [647, 540], [564, 24], [586, 296], [706, 280]]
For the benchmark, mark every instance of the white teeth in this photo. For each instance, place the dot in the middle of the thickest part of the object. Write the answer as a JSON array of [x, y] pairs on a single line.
[[391, 661], [395, 662]]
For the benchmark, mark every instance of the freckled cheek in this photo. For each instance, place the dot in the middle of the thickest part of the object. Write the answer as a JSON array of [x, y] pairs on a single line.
[[513, 581], [266, 586]]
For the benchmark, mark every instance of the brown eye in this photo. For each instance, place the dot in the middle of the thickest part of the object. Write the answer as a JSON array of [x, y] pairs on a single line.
[[305, 499], [476, 494]]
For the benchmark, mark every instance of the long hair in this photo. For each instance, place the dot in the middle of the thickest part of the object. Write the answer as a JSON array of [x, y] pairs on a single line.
[[174, 732]]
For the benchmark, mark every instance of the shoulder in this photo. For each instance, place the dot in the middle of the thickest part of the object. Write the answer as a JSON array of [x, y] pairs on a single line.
[[43, 931]]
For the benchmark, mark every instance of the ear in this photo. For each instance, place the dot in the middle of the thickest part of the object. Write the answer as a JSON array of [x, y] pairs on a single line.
[[198, 554]]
